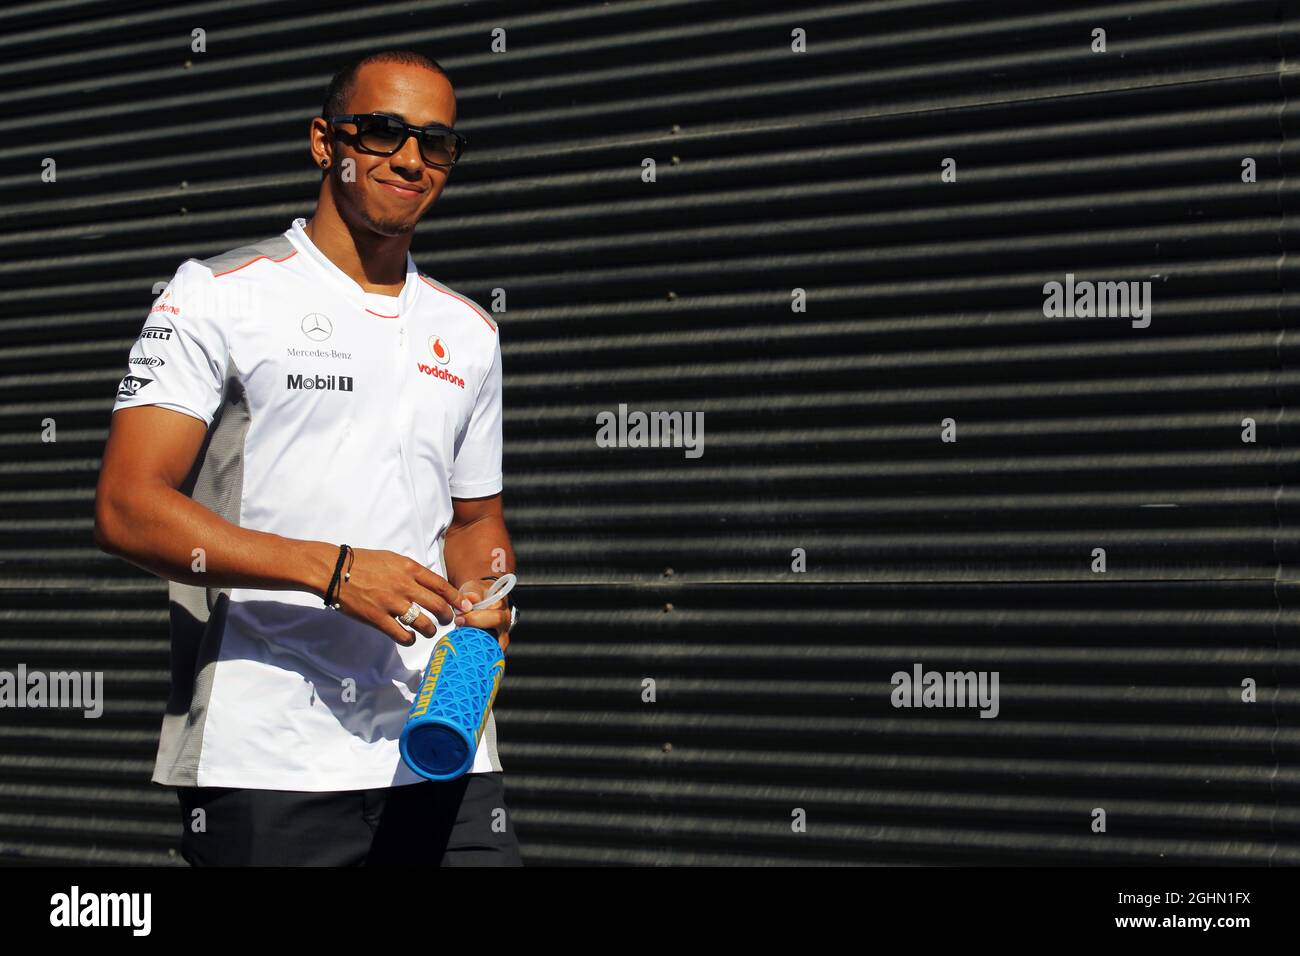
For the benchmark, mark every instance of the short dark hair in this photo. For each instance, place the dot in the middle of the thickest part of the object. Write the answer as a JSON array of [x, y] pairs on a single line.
[[340, 88]]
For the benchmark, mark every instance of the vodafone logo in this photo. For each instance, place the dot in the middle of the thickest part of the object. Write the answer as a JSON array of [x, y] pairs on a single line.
[[442, 355], [440, 350], [441, 373]]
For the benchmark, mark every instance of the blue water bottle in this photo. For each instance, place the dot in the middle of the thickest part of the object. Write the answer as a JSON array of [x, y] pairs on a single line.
[[451, 708]]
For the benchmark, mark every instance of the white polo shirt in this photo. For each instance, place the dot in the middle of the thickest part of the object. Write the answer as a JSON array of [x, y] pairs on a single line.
[[334, 415]]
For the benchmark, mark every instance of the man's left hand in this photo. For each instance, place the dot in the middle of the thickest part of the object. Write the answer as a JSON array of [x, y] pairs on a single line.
[[493, 617]]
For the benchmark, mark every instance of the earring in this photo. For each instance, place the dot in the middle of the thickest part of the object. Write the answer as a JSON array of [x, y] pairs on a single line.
[[324, 164]]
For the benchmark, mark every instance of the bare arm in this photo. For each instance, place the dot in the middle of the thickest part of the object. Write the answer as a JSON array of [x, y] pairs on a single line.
[[141, 516], [476, 538], [477, 530]]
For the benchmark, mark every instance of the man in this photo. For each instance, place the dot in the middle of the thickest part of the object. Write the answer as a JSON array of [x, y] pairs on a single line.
[[307, 444]]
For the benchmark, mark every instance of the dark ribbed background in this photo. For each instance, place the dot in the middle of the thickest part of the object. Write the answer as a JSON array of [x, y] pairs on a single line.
[[776, 171]]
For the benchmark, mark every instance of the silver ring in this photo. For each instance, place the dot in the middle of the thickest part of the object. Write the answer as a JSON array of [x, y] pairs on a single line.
[[409, 617]]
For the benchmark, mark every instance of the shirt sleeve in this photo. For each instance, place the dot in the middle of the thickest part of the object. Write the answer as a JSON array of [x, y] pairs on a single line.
[[181, 357], [476, 471]]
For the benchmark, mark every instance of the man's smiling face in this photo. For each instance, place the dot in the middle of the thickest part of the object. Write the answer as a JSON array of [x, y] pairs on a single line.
[[392, 193]]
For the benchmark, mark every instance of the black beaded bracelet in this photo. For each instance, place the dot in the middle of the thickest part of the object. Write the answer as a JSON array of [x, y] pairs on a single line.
[[331, 599]]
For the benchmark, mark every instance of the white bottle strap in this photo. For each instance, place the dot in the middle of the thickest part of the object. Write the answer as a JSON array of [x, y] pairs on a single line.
[[499, 589]]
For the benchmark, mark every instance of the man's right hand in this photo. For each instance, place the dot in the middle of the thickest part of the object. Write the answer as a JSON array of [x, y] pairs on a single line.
[[383, 584]]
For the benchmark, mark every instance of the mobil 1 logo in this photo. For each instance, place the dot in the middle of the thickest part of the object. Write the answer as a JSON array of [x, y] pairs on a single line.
[[320, 383]]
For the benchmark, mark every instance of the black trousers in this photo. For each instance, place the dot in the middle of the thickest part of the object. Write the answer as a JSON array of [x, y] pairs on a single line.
[[462, 822]]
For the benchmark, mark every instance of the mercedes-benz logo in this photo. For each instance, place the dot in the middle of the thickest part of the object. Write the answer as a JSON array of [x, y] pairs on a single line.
[[317, 327]]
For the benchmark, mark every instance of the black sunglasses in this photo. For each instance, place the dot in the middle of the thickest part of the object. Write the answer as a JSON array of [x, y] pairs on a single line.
[[383, 135]]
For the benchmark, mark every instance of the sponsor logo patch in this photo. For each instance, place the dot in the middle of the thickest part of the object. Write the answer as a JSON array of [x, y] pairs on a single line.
[[319, 353], [320, 383], [442, 374], [316, 326], [131, 385], [439, 349]]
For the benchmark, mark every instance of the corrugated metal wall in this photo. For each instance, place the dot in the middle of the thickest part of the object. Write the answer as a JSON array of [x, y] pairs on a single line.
[[776, 171]]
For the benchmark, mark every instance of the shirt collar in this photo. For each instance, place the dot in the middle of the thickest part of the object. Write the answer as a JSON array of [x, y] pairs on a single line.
[[344, 282]]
